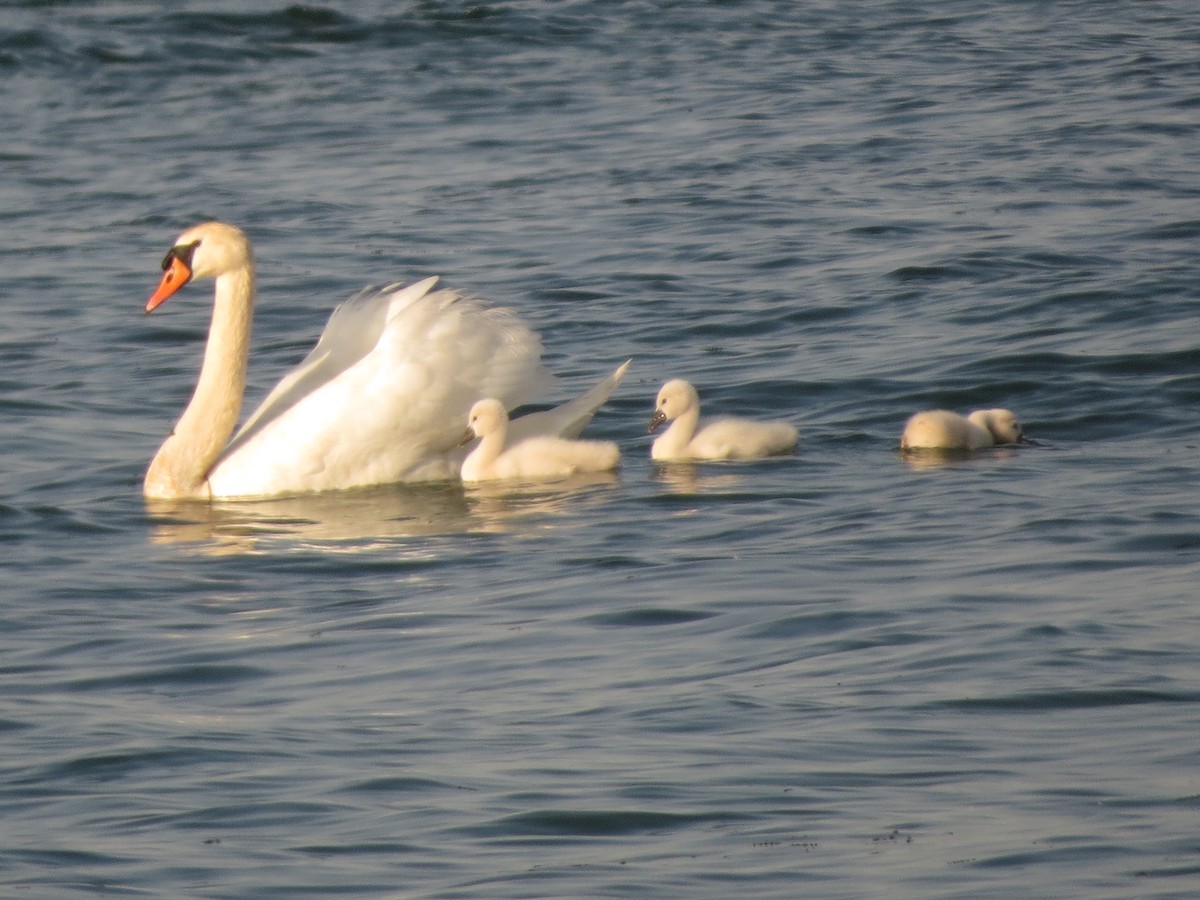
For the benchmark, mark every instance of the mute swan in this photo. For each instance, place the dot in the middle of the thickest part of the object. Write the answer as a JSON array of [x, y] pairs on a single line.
[[380, 399], [727, 438], [940, 429], [533, 457]]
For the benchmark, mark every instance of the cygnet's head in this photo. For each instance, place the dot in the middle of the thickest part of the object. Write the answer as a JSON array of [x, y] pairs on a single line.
[[1003, 425], [674, 399], [486, 417]]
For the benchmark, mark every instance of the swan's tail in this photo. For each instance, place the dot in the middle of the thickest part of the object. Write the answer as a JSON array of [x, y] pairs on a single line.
[[569, 419]]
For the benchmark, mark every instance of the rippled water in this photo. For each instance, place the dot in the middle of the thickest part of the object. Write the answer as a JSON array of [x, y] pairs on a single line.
[[841, 674]]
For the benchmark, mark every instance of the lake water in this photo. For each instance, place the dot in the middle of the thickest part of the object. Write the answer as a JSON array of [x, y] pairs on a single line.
[[840, 674]]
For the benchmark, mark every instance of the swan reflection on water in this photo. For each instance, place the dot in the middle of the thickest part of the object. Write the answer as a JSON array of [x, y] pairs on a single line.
[[373, 519]]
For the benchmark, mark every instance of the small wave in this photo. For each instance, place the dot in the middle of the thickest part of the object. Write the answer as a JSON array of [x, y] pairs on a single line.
[[1055, 701]]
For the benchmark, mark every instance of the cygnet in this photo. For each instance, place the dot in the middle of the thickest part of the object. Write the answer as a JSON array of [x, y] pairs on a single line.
[[679, 404], [533, 457], [940, 429]]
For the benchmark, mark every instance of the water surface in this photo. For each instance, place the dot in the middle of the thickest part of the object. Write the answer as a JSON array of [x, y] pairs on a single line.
[[841, 674]]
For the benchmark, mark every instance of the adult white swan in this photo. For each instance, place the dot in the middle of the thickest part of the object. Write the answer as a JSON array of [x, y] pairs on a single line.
[[380, 399]]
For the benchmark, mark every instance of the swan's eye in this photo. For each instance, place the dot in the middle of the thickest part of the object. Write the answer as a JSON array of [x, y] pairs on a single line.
[[181, 252]]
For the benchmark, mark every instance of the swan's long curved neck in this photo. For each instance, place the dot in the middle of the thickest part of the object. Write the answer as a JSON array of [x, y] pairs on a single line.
[[181, 467]]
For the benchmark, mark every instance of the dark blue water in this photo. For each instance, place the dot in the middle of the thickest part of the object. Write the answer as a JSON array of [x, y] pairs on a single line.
[[841, 674]]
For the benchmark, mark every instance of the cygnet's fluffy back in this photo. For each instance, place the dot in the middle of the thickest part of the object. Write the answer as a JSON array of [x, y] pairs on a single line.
[[940, 429]]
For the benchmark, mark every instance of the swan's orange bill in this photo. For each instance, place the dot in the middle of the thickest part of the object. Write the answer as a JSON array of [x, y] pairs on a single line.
[[176, 276]]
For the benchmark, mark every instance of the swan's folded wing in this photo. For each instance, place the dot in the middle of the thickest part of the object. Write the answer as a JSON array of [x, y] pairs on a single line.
[[569, 419], [353, 330]]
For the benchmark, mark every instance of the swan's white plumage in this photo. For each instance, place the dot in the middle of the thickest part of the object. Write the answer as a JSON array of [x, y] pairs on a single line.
[[380, 399], [496, 456], [727, 438], [395, 413], [941, 429], [353, 330], [569, 419]]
